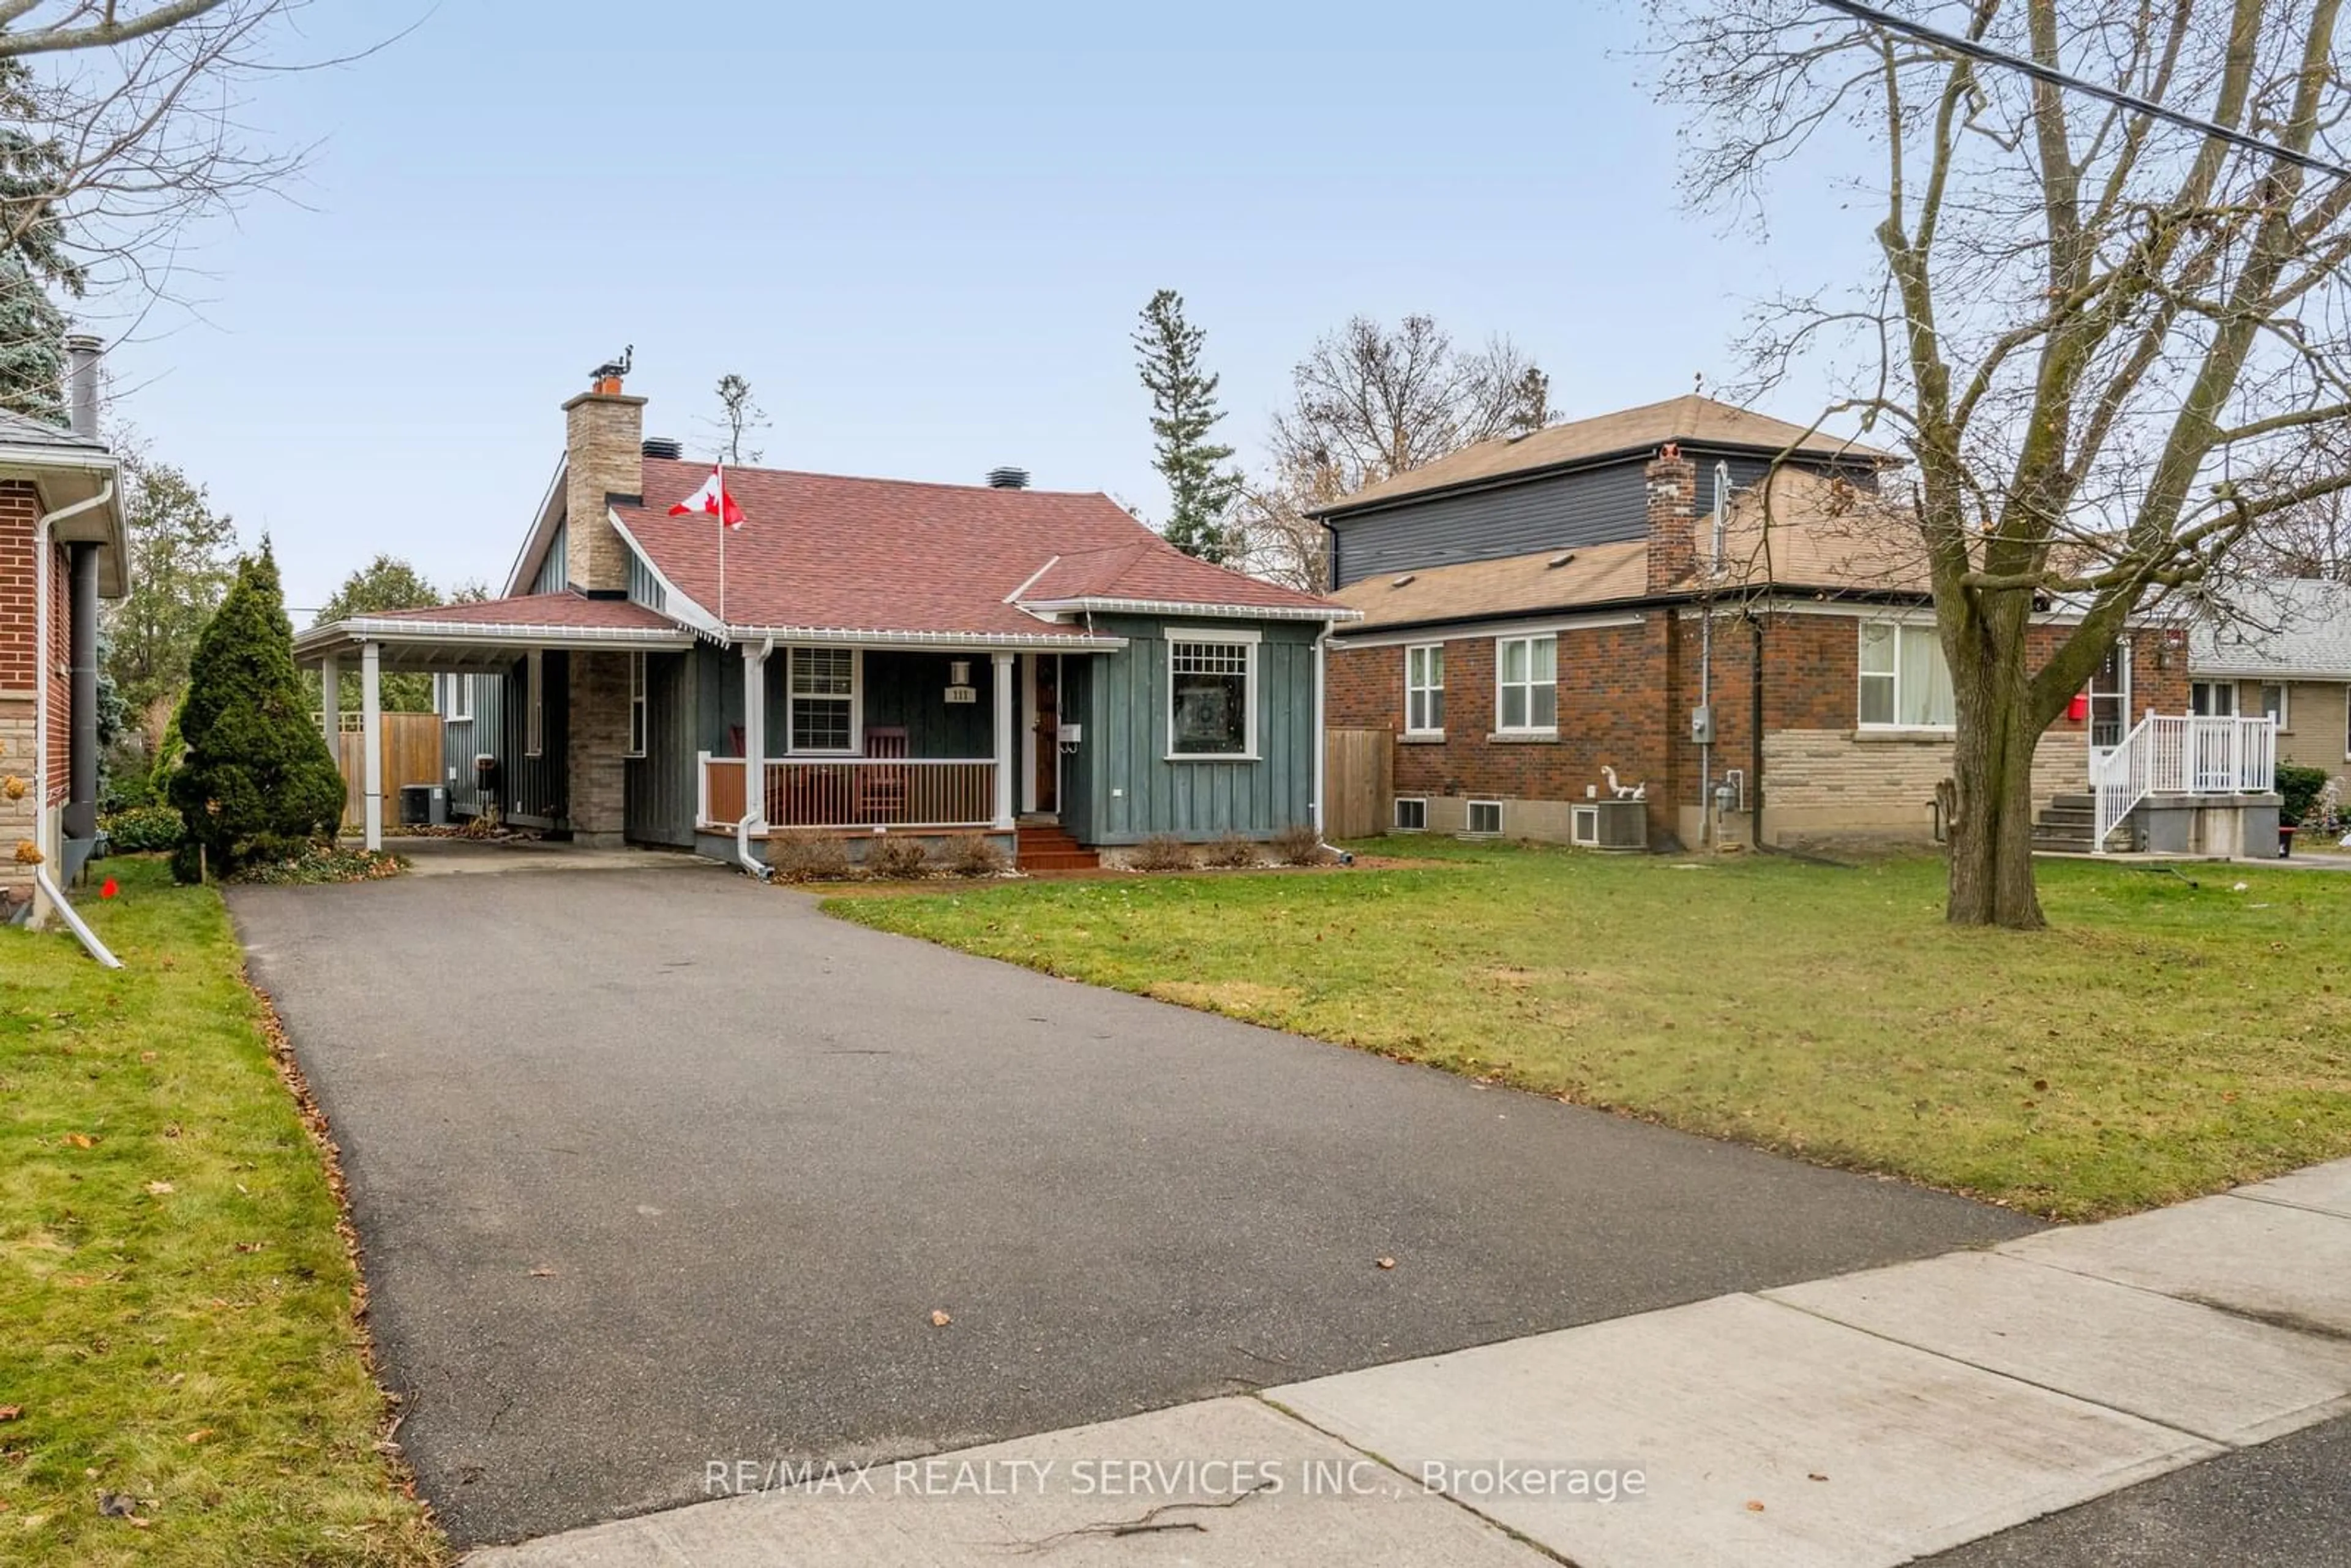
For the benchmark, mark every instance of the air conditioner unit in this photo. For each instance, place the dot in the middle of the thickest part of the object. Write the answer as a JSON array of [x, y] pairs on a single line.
[[1620, 825]]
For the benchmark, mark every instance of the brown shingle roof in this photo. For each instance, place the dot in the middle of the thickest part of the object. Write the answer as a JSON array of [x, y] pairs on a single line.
[[891, 555], [1701, 420], [567, 610], [1518, 584]]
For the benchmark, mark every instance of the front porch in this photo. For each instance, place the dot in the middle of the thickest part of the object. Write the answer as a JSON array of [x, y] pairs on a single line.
[[2174, 784]]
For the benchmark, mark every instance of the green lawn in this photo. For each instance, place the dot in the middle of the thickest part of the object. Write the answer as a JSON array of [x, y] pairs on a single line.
[[176, 1313], [2168, 1036]]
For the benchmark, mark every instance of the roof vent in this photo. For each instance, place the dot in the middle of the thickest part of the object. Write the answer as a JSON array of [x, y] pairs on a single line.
[[1561, 558], [1007, 478], [663, 446], [1400, 582]]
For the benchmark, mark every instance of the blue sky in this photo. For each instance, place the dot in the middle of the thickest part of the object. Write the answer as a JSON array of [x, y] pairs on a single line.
[[921, 233]]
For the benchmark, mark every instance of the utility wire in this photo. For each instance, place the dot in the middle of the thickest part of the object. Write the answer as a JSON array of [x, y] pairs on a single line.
[[2054, 77]]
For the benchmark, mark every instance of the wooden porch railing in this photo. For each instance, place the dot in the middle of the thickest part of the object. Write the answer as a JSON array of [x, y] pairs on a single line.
[[855, 792]]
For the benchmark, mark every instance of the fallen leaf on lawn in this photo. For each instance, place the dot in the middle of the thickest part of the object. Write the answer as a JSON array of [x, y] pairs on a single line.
[[158, 1189], [146, 1056], [10, 1412], [135, 1522], [542, 1273], [1754, 1506], [940, 1320], [1387, 1262], [81, 1140], [198, 1436], [251, 1246]]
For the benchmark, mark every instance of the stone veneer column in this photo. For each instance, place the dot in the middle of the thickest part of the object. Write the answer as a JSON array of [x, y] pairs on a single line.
[[598, 742], [603, 445]]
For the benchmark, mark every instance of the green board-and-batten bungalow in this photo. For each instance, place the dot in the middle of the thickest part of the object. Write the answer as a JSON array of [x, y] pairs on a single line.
[[933, 659]]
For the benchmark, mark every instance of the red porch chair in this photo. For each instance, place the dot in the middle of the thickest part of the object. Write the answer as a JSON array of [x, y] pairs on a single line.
[[882, 792]]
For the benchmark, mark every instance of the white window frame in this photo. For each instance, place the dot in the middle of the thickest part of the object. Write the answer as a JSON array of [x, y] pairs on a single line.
[[2216, 688], [1427, 688], [1395, 819], [461, 698], [856, 746], [1250, 682], [1469, 818], [534, 703], [1500, 685], [2279, 687], [637, 716], [1900, 629]]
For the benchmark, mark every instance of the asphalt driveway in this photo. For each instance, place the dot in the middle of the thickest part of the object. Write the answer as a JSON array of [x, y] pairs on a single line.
[[658, 1170]]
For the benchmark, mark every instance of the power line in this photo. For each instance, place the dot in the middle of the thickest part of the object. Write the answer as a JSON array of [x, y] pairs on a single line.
[[2054, 77]]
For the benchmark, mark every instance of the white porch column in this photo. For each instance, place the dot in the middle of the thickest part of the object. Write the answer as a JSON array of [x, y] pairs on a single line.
[[371, 741], [754, 733], [1005, 751], [330, 697]]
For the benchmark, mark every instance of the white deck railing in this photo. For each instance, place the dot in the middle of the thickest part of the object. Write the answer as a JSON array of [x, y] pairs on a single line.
[[851, 793], [2182, 755]]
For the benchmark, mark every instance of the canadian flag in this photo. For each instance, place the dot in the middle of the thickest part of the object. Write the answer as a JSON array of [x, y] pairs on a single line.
[[711, 499]]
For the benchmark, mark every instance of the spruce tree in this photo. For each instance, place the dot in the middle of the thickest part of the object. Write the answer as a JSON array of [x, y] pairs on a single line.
[[258, 782], [1200, 487]]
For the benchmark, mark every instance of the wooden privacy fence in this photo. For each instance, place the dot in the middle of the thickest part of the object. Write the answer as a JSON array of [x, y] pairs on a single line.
[[1358, 781], [412, 755]]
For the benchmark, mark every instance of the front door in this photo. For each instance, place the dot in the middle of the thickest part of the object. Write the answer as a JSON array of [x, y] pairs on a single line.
[[2110, 702], [1048, 730]]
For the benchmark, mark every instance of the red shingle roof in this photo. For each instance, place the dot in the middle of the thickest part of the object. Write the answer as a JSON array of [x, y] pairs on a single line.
[[891, 555]]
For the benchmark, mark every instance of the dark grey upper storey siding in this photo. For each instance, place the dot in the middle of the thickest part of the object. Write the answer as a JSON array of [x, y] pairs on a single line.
[[1603, 505]]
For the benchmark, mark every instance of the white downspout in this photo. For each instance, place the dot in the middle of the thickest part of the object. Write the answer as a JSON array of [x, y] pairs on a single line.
[[1322, 744], [754, 761], [47, 895]]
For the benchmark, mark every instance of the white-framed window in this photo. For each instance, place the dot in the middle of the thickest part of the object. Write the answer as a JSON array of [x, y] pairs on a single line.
[[1412, 814], [534, 703], [2274, 702], [2212, 699], [1211, 695], [1486, 819], [1905, 681], [636, 704], [1584, 826], [822, 705], [1526, 684], [1424, 689], [461, 698]]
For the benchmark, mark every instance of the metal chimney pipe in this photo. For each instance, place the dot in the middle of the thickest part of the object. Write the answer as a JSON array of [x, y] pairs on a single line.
[[82, 353]]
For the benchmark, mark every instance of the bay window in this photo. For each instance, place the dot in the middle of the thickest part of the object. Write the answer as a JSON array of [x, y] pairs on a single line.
[[1905, 681]]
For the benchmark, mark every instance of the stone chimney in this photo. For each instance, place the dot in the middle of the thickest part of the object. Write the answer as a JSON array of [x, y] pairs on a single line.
[[1673, 517], [603, 447]]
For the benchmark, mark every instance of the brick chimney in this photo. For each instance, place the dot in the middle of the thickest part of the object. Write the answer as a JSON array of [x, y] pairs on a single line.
[[603, 446], [1673, 517]]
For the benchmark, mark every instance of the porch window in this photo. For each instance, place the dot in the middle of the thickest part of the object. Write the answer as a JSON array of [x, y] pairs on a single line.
[[1212, 687], [2274, 704], [636, 704], [823, 700], [1905, 681], [2212, 699], [1527, 685], [534, 703], [1424, 689], [456, 697]]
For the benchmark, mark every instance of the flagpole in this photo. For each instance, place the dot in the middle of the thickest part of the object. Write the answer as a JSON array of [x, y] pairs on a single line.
[[721, 510]]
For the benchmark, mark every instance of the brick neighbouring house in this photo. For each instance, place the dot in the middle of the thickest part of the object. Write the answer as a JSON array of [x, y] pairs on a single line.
[[61, 550], [1589, 552]]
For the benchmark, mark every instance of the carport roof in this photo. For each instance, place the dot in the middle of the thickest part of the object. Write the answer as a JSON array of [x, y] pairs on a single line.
[[451, 636]]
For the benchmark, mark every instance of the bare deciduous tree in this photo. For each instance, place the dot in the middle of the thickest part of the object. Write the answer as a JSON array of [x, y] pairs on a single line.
[[1369, 402], [2114, 348]]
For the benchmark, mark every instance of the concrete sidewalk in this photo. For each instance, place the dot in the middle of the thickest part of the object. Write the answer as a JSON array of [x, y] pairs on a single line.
[[1871, 1418]]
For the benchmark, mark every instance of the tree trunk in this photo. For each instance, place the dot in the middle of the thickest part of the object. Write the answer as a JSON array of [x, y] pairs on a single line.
[[1991, 765]]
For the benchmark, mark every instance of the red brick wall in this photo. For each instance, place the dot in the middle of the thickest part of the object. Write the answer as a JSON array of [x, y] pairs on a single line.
[[1625, 694], [20, 509]]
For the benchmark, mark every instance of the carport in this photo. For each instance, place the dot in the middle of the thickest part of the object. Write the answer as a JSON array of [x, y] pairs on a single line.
[[491, 637]]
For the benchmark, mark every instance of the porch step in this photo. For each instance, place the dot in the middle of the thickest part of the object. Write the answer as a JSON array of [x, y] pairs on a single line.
[[1047, 846], [2067, 824]]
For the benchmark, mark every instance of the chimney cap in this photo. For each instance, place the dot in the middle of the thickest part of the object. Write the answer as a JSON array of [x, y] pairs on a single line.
[[606, 377], [665, 446], [1007, 478]]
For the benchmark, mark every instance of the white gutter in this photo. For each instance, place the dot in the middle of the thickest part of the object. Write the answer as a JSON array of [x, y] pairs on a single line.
[[1326, 614], [46, 893], [370, 629], [843, 637]]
